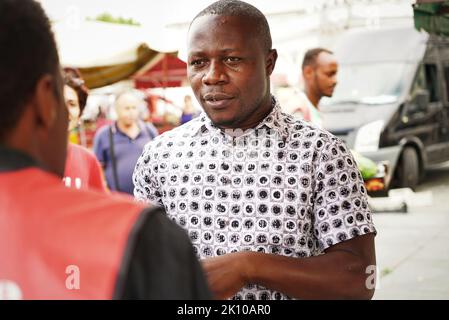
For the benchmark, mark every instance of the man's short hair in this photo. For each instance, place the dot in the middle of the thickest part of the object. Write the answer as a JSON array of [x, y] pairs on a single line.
[[127, 92], [311, 56], [241, 9], [28, 51]]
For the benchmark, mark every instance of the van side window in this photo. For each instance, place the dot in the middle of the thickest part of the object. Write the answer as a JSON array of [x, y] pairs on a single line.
[[420, 82], [432, 82]]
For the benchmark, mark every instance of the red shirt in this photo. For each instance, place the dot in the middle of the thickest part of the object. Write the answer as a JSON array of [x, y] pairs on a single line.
[[82, 169]]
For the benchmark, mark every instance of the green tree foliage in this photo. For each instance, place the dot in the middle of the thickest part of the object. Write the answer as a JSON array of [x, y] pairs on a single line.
[[107, 17]]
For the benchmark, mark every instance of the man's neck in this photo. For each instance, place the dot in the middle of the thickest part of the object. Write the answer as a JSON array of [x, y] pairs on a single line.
[[131, 130], [313, 97], [255, 123], [258, 118]]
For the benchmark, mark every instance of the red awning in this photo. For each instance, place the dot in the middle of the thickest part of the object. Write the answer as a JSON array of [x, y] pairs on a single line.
[[166, 71]]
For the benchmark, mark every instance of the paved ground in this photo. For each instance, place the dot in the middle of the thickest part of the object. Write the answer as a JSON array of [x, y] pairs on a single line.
[[413, 248]]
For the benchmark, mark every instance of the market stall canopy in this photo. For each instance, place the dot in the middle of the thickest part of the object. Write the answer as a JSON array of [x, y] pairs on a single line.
[[432, 16], [165, 70], [106, 53]]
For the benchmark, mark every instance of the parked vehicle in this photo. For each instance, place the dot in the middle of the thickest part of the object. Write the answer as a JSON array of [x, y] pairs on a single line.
[[391, 104]]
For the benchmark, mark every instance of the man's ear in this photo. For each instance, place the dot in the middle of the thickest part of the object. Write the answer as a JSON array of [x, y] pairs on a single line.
[[271, 61], [307, 72], [44, 102]]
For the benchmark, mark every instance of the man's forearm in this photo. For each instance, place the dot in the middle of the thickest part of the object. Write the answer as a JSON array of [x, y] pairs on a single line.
[[334, 275]]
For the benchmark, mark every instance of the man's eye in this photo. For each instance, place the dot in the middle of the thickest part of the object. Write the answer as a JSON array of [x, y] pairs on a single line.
[[197, 63], [232, 59]]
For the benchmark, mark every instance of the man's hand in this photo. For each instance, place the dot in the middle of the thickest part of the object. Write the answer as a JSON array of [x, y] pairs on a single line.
[[226, 274], [340, 273]]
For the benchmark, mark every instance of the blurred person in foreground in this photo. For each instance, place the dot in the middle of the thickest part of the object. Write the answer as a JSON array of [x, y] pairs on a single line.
[[274, 206], [61, 243], [82, 169], [119, 145]]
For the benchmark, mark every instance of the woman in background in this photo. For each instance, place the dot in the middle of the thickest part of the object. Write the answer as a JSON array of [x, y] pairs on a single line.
[[189, 112], [82, 169]]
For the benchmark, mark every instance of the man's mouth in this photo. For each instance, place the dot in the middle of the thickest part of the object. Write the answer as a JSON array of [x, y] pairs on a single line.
[[217, 100]]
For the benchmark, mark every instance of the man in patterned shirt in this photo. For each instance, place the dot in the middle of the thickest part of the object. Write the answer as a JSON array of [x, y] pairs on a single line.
[[274, 206]]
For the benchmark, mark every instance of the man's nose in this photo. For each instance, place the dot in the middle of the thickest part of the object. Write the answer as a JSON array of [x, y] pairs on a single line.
[[334, 80], [215, 74]]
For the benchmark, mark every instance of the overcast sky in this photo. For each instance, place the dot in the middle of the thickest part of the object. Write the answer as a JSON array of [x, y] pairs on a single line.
[[292, 30], [150, 12]]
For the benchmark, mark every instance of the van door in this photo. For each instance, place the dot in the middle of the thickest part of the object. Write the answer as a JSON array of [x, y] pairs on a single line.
[[436, 146], [440, 151], [420, 115], [445, 84]]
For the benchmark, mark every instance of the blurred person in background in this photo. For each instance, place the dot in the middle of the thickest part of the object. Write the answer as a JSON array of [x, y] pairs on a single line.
[[76, 106], [319, 69], [82, 168], [188, 111], [102, 118], [119, 145], [61, 243]]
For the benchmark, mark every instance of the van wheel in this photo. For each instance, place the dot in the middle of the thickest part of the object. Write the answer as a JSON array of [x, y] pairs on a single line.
[[408, 170]]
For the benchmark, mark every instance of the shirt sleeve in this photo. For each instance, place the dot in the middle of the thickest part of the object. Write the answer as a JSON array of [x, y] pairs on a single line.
[[146, 186], [98, 147], [161, 263], [341, 209]]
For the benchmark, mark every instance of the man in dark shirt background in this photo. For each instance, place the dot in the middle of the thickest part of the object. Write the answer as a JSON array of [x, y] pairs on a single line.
[[119, 145]]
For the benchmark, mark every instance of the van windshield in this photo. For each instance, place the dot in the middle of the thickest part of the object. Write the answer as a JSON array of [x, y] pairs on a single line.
[[374, 83]]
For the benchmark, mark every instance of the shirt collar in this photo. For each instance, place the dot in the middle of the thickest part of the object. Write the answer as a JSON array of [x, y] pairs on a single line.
[[11, 160], [274, 120]]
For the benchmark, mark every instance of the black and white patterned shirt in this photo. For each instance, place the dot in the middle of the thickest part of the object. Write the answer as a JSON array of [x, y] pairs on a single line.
[[284, 187]]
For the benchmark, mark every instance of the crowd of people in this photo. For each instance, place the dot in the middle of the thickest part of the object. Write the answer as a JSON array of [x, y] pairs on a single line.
[[242, 201]]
